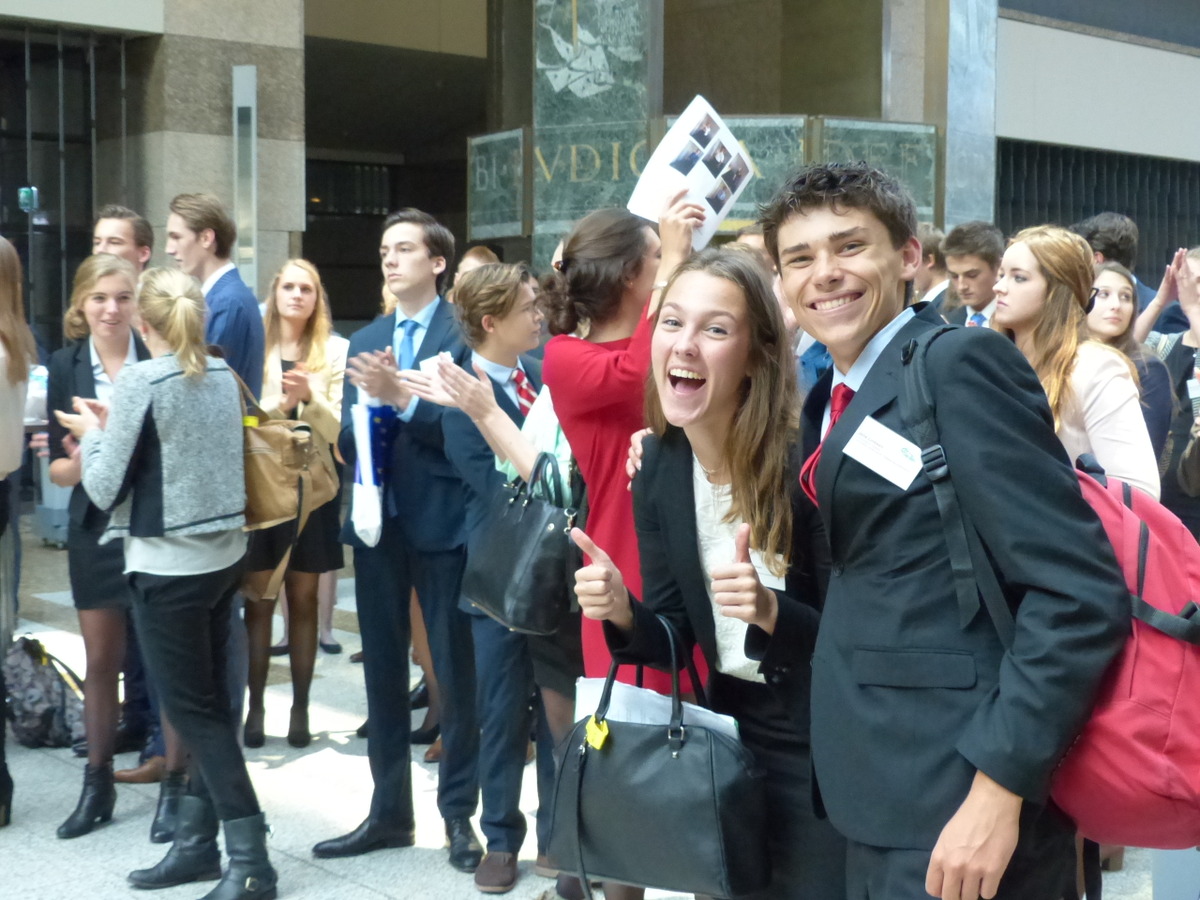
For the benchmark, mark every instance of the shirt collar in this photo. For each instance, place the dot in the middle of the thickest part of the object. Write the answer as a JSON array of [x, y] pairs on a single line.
[[98, 366], [498, 373], [216, 276], [854, 378], [936, 291], [422, 318]]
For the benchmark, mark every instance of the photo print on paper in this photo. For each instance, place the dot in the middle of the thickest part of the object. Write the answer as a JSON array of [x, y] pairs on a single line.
[[687, 158], [717, 158], [705, 131], [736, 173], [719, 196]]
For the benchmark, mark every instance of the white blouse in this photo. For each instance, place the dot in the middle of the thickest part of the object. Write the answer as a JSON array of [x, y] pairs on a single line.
[[715, 538], [1104, 417]]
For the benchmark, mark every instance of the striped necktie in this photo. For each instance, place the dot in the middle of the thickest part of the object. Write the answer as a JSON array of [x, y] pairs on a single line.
[[525, 392]]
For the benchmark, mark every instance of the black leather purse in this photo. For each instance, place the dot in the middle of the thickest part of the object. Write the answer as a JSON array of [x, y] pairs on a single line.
[[677, 807], [522, 568]]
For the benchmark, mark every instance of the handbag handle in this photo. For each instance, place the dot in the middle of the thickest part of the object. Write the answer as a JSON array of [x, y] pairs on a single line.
[[545, 476], [675, 731]]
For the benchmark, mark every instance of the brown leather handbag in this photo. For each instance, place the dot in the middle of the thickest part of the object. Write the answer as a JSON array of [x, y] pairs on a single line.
[[289, 473]]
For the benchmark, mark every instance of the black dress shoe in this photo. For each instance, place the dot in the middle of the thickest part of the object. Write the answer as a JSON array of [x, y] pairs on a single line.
[[465, 850], [425, 735], [366, 837], [418, 697]]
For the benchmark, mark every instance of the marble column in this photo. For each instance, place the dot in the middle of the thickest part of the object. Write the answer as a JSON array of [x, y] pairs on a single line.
[[940, 68], [180, 133], [597, 83]]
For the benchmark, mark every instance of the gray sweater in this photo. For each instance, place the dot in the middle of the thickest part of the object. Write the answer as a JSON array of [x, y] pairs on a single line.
[[170, 458]]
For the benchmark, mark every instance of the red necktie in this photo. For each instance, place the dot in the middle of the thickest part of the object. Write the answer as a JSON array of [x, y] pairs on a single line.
[[525, 392], [842, 395]]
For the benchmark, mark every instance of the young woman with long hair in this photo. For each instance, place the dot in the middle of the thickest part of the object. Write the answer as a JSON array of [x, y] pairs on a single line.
[[18, 352], [166, 458], [303, 373], [1111, 321], [101, 341], [723, 560], [1042, 297]]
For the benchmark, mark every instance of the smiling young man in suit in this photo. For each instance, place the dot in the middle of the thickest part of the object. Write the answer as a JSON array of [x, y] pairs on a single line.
[[933, 746], [422, 546]]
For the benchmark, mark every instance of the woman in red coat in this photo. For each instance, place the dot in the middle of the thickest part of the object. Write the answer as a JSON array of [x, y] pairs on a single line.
[[599, 304]]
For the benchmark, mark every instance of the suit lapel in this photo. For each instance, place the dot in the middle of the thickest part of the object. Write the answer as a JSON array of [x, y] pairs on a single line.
[[85, 378], [676, 495], [506, 404], [440, 327], [879, 390]]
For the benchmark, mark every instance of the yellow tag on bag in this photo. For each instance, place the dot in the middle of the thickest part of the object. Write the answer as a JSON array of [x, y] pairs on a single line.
[[597, 733]]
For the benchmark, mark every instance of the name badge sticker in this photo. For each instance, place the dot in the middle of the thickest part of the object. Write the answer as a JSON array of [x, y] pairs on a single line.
[[884, 452]]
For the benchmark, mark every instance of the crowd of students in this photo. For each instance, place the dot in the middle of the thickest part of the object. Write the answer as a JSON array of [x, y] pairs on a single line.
[[717, 406]]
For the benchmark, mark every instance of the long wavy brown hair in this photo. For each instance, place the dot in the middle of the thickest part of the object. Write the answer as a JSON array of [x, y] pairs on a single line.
[[318, 327], [759, 445], [1065, 261], [18, 341]]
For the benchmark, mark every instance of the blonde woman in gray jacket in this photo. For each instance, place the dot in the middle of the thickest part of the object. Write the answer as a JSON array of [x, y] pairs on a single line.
[[167, 460]]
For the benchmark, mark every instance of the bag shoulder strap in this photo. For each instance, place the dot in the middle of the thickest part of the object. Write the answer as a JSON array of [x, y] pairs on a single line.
[[973, 573], [252, 407]]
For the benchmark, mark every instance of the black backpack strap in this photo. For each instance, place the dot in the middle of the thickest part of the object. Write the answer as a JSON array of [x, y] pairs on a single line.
[[969, 562]]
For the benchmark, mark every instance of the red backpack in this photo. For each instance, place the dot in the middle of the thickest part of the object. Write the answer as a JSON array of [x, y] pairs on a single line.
[[1132, 776]]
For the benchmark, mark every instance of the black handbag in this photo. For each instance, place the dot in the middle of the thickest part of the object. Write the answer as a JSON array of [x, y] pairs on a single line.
[[677, 807], [521, 570]]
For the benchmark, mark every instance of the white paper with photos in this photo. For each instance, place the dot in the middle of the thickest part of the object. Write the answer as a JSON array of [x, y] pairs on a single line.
[[643, 706], [701, 154]]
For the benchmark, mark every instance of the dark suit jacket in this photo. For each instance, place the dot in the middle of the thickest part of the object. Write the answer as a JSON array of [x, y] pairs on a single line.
[[235, 325], [70, 375], [425, 490], [674, 580], [908, 700], [474, 460]]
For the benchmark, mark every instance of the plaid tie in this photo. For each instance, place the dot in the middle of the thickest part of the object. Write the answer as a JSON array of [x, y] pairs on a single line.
[[525, 392], [842, 395]]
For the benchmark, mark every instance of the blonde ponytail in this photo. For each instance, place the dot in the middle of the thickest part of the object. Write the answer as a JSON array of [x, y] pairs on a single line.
[[172, 304]]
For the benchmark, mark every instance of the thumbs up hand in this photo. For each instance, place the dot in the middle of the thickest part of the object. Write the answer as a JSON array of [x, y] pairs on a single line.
[[600, 587], [738, 593]]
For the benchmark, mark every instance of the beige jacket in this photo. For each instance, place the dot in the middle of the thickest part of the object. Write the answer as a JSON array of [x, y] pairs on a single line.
[[324, 411]]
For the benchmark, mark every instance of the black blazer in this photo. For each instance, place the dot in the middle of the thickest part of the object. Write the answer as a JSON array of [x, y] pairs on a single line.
[[675, 583], [70, 375], [908, 699], [425, 490]]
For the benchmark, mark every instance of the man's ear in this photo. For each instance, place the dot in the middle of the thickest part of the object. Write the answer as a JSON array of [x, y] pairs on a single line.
[[488, 323], [207, 239], [439, 265], [910, 254], [144, 254]]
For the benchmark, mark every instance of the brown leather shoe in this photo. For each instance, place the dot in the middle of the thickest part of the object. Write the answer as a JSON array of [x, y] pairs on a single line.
[[497, 874], [149, 772], [434, 753]]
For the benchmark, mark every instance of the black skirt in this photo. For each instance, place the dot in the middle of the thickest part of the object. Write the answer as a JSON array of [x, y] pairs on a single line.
[[558, 658], [96, 571], [317, 550]]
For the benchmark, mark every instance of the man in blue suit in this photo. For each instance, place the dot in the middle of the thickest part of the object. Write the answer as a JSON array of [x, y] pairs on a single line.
[[201, 236], [422, 545]]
